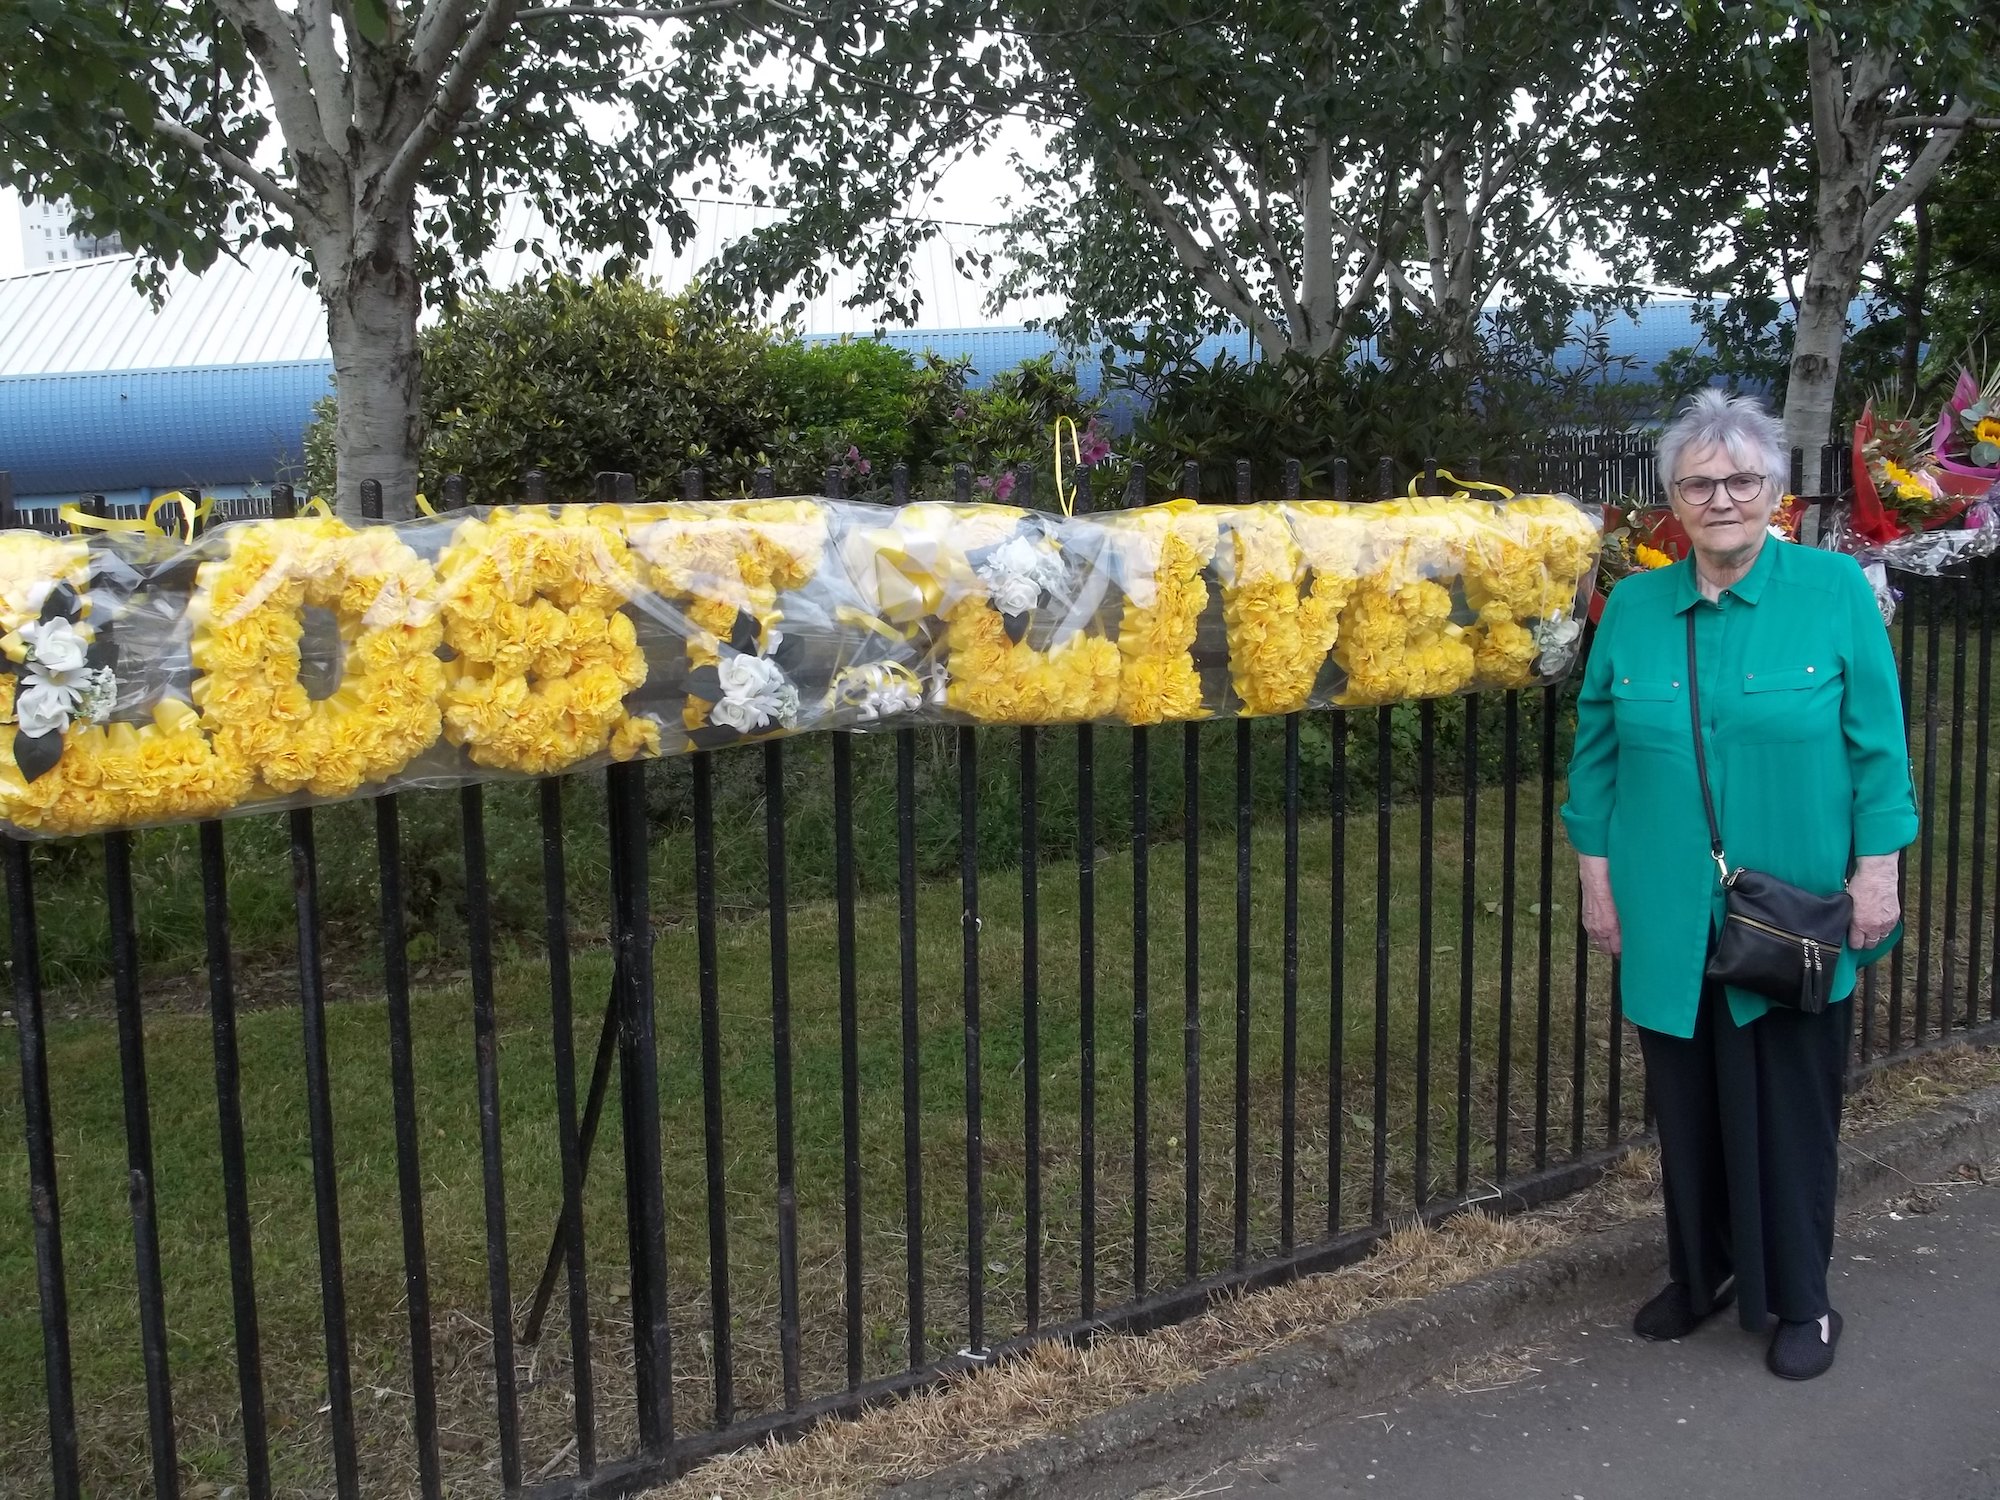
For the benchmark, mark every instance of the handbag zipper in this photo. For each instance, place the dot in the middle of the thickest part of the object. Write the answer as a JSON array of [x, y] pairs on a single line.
[[1776, 932]]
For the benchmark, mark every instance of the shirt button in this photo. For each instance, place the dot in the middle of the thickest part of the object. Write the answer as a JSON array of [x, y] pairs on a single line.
[[1808, 669], [1624, 679]]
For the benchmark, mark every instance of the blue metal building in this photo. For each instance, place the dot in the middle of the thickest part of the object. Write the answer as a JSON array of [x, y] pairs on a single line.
[[101, 390]]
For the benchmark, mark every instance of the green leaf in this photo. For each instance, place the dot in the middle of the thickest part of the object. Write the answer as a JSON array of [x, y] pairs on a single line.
[[371, 19]]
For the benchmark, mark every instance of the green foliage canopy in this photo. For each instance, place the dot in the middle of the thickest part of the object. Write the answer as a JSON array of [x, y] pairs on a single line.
[[573, 378]]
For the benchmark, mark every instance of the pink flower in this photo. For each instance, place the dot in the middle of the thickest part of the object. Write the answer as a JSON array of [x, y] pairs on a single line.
[[1003, 487], [1095, 446], [855, 461]]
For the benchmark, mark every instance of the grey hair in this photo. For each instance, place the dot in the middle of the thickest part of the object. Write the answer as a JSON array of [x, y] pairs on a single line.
[[1739, 425]]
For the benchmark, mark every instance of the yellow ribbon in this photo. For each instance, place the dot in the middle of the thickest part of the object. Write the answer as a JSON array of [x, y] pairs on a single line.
[[847, 614], [316, 507], [1067, 497], [191, 516], [424, 507], [1463, 485]]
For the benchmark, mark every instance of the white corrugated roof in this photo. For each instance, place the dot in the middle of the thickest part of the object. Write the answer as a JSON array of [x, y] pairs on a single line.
[[87, 315]]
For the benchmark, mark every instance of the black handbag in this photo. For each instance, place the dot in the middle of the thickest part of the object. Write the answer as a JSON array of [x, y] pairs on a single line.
[[1777, 940]]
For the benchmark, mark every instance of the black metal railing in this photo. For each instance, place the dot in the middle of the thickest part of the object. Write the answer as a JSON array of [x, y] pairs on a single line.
[[906, 1126]]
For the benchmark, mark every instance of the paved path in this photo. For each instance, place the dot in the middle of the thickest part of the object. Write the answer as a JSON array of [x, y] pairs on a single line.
[[1910, 1412]]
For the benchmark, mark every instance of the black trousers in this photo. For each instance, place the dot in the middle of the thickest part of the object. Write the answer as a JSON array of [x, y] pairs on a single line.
[[1749, 1122]]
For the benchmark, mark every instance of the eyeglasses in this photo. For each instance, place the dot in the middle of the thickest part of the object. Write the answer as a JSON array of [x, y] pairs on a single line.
[[1699, 489]]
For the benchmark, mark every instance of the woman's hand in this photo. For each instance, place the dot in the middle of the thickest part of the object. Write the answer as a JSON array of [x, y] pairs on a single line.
[[1600, 912], [1873, 887]]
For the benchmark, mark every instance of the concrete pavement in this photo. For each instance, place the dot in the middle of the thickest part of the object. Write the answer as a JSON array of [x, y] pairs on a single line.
[[1911, 1411]]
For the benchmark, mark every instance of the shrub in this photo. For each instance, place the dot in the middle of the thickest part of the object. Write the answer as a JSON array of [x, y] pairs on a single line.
[[573, 378], [1409, 404]]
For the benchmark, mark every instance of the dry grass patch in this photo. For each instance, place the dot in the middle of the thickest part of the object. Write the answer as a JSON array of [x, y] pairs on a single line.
[[1056, 1387], [1904, 1090], [1495, 1371]]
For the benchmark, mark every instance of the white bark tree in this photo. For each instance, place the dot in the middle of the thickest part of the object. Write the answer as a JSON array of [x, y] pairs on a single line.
[[405, 126], [1856, 90], [1269, 165]]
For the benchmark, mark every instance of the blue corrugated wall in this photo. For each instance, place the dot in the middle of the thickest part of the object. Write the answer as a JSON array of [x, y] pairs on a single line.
[[64, 435], [158, 429]]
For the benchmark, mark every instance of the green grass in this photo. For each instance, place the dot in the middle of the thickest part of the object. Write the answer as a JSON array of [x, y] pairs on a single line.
[[166, 862], [84, 1069]]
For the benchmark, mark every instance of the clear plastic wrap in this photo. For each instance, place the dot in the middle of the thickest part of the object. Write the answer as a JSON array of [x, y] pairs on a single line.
[[275, 663], [1975, 534]]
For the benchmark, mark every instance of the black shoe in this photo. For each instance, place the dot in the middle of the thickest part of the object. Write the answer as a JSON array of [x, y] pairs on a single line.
[[1801, 1351], [1671, 1314]]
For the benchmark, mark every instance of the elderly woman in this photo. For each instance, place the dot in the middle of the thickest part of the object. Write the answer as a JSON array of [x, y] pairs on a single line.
[[1803, 731]]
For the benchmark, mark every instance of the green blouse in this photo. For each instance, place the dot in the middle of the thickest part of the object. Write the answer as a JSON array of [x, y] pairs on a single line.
[[1802, 723]]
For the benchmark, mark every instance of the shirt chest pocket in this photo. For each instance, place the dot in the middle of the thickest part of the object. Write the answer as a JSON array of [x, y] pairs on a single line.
[[1651, 712], [1787, 704]]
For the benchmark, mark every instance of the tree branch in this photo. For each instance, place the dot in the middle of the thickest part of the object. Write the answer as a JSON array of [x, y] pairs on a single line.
[[1492, 183], [1190, 253], [1390, 237], [453, 97], [260, 183], [1943, 122], [1917, 176], [1829, 113], [642, 12], [268, 35], [1220, 256], [1258, 217], [332, 85], [439, 30]]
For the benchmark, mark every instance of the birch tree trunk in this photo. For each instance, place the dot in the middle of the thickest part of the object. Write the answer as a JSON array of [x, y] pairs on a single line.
[[1455, 251], [372, 304], [1319, 276], [1850, 114]]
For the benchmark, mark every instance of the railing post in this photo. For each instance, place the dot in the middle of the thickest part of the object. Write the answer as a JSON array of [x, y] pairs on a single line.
[[235, 1173], [50, 1280], [639, 1081], [140, 1179]]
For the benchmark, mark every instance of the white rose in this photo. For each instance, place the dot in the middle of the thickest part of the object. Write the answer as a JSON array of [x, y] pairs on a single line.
[[54, 646], [748, 676], [1014, 594], [734, 713], [43, 707], [1015, 555], [1015, 574]]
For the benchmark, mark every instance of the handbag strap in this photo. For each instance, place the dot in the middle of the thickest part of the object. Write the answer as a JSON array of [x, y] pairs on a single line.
[[1701, 760]]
